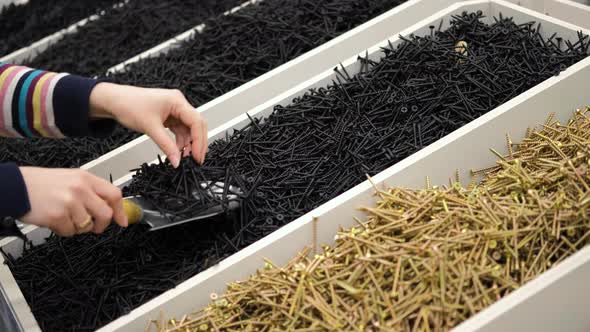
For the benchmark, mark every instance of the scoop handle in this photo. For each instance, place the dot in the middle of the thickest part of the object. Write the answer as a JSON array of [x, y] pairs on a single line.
[[133, 211]]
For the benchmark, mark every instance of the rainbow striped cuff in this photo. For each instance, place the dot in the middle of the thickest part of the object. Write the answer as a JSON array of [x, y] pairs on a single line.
[[37, 103]]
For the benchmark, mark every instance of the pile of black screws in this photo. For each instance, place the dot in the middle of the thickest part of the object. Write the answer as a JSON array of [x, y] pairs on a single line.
[[68, 152], [289, 163], [125, 32], [204, 68], [119, 34], [237, 48], [22, 25], [83, 283]]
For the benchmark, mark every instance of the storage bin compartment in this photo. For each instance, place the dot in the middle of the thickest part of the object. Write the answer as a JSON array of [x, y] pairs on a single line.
[[320, 59], [465, 146]]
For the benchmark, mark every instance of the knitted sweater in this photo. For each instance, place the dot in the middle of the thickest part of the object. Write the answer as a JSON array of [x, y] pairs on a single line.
[[35, 103]]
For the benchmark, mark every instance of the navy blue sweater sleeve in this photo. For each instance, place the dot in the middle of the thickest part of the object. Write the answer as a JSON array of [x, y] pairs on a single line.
[[13, 192], [71, 102]]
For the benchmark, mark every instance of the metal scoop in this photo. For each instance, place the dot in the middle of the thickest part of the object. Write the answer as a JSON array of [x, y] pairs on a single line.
[[139, 210]]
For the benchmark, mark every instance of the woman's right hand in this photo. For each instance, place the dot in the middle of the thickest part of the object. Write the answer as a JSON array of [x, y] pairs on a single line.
[[71, 201]]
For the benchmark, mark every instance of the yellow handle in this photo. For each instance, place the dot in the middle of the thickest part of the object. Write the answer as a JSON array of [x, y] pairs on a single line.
[[133, 211]]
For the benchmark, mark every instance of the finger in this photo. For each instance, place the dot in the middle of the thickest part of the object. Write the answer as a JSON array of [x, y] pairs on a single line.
[[113, 198], [80, 221], [179, 138], [198, 137], [206, 140], [181, 133], [191, 118], [100, 211], [182, 139], [66, 228], [166, 144], [199, 146], [187, 142], [195, 133]]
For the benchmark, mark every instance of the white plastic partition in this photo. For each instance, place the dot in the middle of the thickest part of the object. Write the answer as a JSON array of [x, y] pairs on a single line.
[[560, 290], [570, 11], [8, 2], [575, 12]]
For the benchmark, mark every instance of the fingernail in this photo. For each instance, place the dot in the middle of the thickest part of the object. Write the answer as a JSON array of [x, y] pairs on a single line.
[[175, 160]]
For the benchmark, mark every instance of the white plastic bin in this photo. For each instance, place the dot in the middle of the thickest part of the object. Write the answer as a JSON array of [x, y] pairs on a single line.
[[221, 110], [560, 291], [557, 300], [575, 12]]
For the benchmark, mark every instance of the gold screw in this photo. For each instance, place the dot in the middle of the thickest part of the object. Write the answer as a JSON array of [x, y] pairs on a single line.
[[461, 49]]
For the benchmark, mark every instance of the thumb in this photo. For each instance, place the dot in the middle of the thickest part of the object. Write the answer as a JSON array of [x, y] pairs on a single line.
[[166, 144]]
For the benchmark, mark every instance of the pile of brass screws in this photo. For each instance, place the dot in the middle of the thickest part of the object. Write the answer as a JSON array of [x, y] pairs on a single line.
[[428, 259]]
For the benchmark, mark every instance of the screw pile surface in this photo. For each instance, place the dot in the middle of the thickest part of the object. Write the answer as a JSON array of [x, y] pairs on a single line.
[[324, 143], [299, 157], [125, 32], [68, 152], [22, 25], [237, 48], [83, 283], [426, 260], [203, 67]]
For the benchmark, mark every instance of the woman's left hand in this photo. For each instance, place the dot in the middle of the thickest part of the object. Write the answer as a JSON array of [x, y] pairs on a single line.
[[150, 111]]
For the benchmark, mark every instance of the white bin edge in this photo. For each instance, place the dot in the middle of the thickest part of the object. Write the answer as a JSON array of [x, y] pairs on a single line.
[[4, 3], [574, 12]]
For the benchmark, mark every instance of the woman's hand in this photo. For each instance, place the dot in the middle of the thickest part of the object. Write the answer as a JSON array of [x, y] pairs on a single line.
[[150, 111], [71, 201]]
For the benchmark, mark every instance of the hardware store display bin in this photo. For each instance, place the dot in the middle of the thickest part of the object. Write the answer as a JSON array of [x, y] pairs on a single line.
[[557, 293], [560, 292], [223, 109]]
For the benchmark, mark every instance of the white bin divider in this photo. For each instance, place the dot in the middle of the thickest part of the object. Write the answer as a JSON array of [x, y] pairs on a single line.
[[222, 109], [466, 147], [570, 11], [4, 3], [172, 43], [31, 51], [218, 111], [536, 5], [575, 12]]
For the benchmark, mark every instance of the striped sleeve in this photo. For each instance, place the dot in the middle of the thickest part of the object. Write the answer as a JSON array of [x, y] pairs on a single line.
[[36, 103]]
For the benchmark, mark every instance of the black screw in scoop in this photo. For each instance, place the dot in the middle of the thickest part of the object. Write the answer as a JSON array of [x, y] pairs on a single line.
[[8, 227]]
